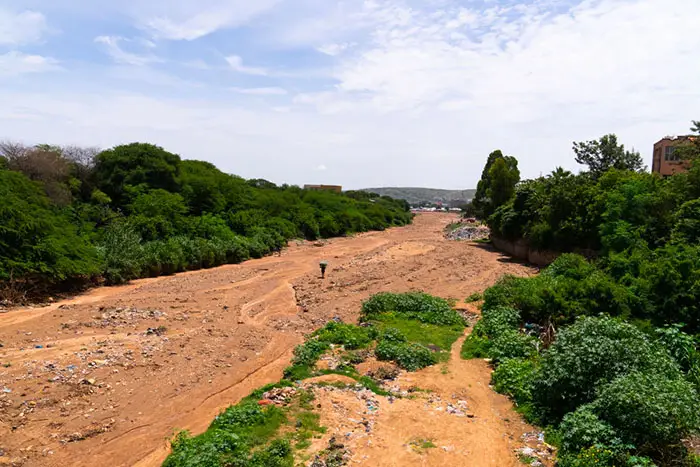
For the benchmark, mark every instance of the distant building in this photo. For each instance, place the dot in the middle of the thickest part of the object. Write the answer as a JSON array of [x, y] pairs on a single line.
[[334, 188], [666, 162]]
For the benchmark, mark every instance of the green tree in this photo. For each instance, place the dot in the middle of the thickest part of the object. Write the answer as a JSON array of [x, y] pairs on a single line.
[[38, 244], [138, 166], [503, 176], [497, 184], [605, 153]]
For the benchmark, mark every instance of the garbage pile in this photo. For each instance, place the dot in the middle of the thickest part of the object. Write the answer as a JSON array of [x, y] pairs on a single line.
[[469, 232]]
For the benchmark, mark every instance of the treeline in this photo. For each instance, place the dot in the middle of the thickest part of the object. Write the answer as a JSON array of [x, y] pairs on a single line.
[[71, 216], [604, 351]]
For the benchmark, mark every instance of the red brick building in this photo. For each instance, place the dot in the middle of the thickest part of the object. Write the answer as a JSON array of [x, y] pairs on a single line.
[[666, 162]]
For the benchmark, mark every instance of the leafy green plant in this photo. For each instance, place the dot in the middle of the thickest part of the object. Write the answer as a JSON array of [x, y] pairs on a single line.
[[475, 346], [514, 377], [588, 354], [650, 410], [413, 305], [350, 336], [410, 357], [512, 344]]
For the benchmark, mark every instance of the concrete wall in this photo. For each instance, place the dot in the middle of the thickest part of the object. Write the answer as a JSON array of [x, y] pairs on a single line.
[[521, 250]]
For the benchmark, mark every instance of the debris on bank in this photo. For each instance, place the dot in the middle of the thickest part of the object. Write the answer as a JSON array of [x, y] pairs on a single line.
[[469, 232]]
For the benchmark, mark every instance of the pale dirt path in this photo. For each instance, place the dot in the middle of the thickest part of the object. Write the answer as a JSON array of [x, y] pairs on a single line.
[[487, 437], [229, 331]]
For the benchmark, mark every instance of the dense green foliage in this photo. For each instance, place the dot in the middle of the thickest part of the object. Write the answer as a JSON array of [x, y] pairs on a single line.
[[603, 351], [413, 330], [497, 183], [414, 305], [71, 215]]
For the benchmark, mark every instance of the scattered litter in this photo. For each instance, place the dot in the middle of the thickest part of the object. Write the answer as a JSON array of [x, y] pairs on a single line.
[[469, 232]]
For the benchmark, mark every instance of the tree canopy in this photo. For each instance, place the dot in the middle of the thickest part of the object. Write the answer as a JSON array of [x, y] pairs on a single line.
[[73, 215], [605, 153]]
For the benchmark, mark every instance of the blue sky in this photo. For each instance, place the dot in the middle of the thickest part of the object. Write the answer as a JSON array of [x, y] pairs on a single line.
[[358, 93]]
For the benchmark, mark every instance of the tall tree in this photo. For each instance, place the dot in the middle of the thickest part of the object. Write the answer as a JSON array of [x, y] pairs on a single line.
[[497, 184], [605, 153], [138, 166], [503, 176]]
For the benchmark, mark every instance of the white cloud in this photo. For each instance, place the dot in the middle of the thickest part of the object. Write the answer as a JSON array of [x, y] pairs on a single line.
[[119, 55], [272, 91], [321, 168], [425, 91], [236, 64], [190, 20], [17, 63], [334, 49], [21, 28]]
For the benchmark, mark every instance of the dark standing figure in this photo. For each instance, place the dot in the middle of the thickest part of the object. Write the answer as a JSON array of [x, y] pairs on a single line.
[[324, 265]]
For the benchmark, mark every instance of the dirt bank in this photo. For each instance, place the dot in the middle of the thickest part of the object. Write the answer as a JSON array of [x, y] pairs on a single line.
[[108, 377]]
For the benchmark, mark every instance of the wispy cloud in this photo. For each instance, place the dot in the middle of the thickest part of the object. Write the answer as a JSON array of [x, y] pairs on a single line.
[[417, 90], [21, 28], [236, 64], [190, 20], [119, 55], [17, 63], [272, 91]]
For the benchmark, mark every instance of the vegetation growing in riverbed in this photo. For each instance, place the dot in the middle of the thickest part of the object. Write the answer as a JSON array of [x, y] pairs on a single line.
[[413, 330]]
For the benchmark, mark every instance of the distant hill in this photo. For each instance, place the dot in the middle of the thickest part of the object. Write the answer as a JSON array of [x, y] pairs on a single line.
[[416, 196]]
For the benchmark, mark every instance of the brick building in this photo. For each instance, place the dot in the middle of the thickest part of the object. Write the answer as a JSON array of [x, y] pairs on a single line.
[[666, 162]]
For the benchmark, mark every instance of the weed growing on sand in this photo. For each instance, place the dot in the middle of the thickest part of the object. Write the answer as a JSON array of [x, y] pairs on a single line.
[[475, 297], [412, 330]]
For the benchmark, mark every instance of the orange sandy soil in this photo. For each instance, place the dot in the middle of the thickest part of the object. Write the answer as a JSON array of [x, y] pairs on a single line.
[[481, 429], [88, 385]]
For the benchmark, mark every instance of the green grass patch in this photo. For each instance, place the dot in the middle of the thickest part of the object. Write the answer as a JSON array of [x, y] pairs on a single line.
[[413, 330], [475, 347], [428, 335]]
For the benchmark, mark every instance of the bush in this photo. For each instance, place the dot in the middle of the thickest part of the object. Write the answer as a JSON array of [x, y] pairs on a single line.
[[512, 344], [683, 349], [589, 354], [413, 305], [411, 357], [514, 377], [650, 410], [122, 252], [498, 320], [309, 352], [475, 347], [603, 456], [348, 335], [583, 429]]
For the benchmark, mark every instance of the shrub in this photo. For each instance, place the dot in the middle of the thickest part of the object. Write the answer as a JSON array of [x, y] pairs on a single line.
[[475, 347], [348, 335], [122, 252], [512, 344], [572, 288], [583, 429], [650, 410], [309, 352], [413, 305], [410, 357], [683, 349], [514, 377], [495, 321], [588, 354], [603, 456]]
